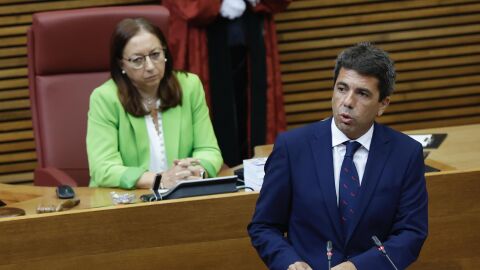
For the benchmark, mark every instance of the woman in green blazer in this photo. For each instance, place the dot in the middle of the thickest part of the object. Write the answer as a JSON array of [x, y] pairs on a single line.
[[148, 121]]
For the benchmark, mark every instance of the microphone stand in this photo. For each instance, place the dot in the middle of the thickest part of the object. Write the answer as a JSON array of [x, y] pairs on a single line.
[[329, 254], [381, 248]]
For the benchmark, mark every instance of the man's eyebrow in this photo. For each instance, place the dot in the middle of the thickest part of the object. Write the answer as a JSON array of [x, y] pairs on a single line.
[[364, 89]]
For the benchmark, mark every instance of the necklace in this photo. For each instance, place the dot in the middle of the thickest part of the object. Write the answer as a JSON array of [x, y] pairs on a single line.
[[154, 114], [150, 104]]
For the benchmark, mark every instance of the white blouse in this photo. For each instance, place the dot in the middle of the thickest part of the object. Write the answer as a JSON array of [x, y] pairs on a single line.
[[158, 155]]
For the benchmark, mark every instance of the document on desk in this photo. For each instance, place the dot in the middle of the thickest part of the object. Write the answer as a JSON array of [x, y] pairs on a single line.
[[424, 139], [253, 172]]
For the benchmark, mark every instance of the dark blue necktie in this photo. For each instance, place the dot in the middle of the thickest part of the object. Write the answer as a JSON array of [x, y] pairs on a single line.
[[349, 187]]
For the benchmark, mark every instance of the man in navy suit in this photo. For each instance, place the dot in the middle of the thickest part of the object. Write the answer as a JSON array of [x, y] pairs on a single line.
[[305, 200]]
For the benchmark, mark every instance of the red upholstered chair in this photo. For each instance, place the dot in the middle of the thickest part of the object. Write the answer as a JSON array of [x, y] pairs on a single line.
[[68, 56]]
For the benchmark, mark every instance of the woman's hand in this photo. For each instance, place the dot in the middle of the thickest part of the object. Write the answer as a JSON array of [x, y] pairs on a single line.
[[183, 169], [193, 165], [174, 175]]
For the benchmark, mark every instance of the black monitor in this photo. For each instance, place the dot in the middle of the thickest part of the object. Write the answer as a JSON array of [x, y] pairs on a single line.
[[198, 187]]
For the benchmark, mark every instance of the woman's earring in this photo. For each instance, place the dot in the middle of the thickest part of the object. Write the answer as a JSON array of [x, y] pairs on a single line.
[[123, 71], [165, 59]]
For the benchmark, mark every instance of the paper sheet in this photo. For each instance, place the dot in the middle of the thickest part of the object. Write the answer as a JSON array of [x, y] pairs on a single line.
[[424, 139], [253, 172]]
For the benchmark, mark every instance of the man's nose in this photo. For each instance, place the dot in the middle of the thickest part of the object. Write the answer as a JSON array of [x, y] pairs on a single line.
[[349, 99]]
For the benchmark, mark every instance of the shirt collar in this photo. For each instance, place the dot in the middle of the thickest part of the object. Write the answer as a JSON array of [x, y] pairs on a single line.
[[338, 137]]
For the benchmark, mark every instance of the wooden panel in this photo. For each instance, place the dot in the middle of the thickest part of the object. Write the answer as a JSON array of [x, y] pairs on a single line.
[[435, 45], [380, 27], [13, 62], [15, 115], [17, 154], [18, 177], [18, 166], [14, 83], [454, 219], [13, 93], [8, 126], [13, 41], [15, 51], [16, 146], [437, 42], [31, 7], [309, 9], [369, 18]]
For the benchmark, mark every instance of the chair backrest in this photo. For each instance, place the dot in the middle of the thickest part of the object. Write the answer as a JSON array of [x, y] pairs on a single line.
[[68, 56]]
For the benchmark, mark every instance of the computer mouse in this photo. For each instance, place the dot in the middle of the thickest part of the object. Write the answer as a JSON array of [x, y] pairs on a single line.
[[65, 192]]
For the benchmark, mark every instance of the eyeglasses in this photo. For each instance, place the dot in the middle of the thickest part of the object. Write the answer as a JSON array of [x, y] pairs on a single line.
[[138, 62]]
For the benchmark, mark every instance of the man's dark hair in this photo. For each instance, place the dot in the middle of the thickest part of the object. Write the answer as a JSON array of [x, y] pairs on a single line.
[[368, 60]]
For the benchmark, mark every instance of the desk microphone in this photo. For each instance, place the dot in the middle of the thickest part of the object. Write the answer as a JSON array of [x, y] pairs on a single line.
[[329, 254], [381, 248]]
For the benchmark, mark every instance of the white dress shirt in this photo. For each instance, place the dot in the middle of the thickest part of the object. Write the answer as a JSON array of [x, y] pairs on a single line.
[[360, 157], [158, 155]]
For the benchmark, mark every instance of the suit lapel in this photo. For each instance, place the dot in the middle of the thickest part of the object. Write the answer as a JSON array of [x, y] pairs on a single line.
[[321, 145], [141, 139], [378, 154], [172, 122]]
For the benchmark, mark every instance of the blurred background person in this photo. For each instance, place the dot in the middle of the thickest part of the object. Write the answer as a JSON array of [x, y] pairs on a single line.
[[232, 45]]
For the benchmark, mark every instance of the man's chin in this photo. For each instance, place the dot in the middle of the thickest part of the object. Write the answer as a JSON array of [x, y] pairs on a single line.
[[347, 129], [345, 123]]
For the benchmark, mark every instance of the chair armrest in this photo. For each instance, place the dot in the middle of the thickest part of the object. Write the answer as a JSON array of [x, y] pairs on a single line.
[[52, 176]]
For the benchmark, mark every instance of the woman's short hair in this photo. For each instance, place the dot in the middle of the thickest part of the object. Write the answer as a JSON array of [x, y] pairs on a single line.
[[368, 60], [169, 90]]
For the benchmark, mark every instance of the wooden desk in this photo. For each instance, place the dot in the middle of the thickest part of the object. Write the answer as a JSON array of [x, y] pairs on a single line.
[[204, 232], [460, 149], [29, 197], [194, 233]]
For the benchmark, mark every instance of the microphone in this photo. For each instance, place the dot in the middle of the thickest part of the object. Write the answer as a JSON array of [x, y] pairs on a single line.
[[329, 254], [381, 248]]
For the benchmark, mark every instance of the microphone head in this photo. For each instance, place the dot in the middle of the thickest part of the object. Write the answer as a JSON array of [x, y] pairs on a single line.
[[377, 241], [329, 246], [329, 252]]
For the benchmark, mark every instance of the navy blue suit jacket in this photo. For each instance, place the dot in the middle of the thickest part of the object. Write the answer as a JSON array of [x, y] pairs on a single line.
[[297, 213]]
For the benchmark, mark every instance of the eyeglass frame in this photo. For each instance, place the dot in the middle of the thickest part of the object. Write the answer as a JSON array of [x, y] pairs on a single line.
[[144, 58]]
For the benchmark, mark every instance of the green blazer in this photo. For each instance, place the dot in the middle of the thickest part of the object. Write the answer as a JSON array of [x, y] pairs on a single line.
[[118, 143]]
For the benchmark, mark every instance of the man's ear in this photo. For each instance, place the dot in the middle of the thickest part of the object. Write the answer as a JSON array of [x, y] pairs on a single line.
[[383, 105]]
